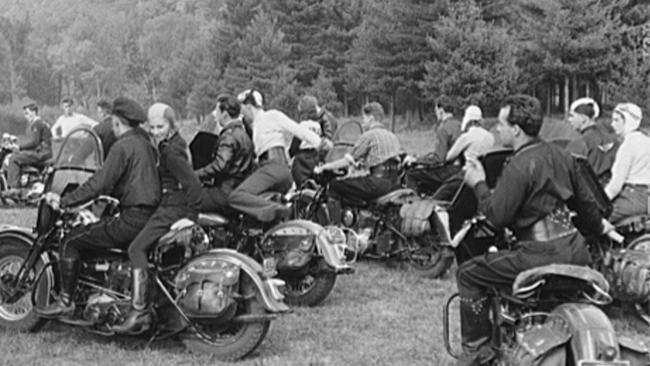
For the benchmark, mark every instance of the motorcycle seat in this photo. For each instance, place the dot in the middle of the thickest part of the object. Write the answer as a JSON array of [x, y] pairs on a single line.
[[635, 223], [212, 220], [401, 195], [30, 169], [533, 280]]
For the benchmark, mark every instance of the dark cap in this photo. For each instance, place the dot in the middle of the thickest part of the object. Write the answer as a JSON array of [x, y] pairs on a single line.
[[129, 111]]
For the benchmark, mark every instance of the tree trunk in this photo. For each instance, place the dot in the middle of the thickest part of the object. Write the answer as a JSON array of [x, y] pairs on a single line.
[[393, 97], [566, 94], [549, 98], [13, 95], [574, 88], [346, 104], [588, 90]]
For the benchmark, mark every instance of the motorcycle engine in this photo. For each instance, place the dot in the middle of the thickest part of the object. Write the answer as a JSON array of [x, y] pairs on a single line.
[[103, 307]]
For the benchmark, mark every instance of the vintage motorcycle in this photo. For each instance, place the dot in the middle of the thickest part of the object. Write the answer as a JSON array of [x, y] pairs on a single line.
[[31, 177], [218, 301], [551, 316], [308, 257], [378, 225]]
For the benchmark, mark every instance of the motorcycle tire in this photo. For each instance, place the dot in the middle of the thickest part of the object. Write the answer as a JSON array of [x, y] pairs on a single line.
[[428, 258], [20, 316], [247, 336], [316, 292]]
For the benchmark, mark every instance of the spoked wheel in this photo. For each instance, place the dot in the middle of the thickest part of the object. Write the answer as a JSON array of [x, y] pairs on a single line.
[[232, 341], [309, 290], [427, 256], [19, 315]]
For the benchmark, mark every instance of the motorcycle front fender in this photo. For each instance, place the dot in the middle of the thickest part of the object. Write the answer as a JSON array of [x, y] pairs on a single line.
[[267, 286], [592, 333], [27, 238], [330, 242]]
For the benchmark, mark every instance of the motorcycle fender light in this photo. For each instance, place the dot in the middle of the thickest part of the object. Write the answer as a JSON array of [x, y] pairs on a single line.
[[307, 243], [274, 285]]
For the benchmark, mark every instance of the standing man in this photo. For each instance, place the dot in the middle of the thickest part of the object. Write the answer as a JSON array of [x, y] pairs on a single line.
[[272, 131], [128, 174], [35, 149], [428, 179], [104, 129], [597, 144], [378, 150], [70, 120], [233, 159], [305, 156], [534, 197]]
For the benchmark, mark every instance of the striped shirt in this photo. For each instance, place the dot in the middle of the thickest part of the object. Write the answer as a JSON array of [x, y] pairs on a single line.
[[375, 146]]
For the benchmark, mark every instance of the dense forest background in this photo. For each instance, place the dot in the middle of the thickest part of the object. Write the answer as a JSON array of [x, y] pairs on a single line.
[[403, 53]]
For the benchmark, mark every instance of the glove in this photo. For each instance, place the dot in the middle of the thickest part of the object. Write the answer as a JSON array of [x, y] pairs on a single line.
[[53, 200]]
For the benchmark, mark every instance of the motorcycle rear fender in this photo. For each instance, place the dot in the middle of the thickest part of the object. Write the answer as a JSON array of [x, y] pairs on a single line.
[[592, 333], [265, 284], [332, 252]]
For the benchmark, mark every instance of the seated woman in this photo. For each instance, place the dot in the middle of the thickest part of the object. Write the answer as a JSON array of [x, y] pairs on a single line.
[[629, 187], [473, 142], [180, 194]]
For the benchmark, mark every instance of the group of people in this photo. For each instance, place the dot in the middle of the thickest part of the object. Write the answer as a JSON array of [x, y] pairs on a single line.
[[148, 170]]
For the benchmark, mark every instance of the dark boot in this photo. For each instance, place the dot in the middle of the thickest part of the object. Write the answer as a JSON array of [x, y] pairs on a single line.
[[476, 329], [64, 306], [138, 319]]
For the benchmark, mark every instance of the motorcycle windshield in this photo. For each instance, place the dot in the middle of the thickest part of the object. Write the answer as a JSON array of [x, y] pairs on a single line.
[[344, 139], [81, 149]]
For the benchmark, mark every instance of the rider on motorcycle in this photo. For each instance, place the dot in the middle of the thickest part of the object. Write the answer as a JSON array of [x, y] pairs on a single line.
[[537, 188], [630, 184], [449, 129], [305, 158], [233, 158], [270, 131], [595, 143], [35, 149], [128, 174], [181, 191], [378, 150]]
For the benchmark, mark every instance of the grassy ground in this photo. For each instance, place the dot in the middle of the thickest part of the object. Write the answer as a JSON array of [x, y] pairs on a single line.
[[381, 315]]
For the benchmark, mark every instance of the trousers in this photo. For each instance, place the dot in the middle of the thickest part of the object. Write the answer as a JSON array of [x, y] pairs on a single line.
[[93, 240], [19, 159], [272, 175]]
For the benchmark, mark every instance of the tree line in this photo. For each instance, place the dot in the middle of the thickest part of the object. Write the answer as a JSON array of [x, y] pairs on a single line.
[[403, 53]]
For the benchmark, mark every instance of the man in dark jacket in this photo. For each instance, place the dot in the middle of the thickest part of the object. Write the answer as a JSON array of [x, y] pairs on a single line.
[[104, 129], [233, 157], [128, 174], [447, 132], [305, 157], [538, 189], [35, 149]]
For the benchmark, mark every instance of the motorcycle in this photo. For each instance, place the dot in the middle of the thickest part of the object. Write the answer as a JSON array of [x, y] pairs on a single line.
[[306, 256], [552, 317], [31, 177], [378, 224], [218, 301]]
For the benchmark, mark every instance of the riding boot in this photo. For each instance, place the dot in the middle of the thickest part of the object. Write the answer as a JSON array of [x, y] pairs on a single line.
[[64, 306], [139, 318], [476, 330]]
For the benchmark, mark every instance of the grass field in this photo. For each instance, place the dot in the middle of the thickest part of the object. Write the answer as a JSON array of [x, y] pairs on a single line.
[[381, 315]]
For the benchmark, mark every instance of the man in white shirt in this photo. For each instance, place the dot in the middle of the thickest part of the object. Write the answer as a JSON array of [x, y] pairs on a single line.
[[272, 133], [630, 184], [70, 120], [474, 140]]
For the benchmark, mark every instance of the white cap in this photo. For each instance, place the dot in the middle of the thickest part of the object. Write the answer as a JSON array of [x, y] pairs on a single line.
[[631, 113], [254, 94], [472, 113], [581, 101]]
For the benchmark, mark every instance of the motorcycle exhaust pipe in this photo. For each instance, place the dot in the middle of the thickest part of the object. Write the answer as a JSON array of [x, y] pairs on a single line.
[[445, 326]]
